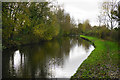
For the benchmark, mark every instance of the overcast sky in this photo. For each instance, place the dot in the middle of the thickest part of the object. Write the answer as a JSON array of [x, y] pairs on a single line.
[[82, 9]]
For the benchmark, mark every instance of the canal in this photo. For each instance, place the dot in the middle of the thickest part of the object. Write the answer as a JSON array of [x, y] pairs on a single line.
[[58, 58]]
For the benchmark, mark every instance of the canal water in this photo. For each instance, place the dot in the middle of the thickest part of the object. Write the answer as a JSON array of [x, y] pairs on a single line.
[[58, 58]]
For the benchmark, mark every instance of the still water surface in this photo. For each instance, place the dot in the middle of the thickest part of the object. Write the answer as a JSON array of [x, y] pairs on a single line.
[[52, 59]]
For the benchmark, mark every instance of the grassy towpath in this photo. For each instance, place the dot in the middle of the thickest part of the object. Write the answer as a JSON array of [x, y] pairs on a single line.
[[103, 62]]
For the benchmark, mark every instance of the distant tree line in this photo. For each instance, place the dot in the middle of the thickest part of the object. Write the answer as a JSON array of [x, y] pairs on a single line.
[[32, 22]]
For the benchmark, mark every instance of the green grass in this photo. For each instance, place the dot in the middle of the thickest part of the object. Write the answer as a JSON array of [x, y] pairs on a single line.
[[103, 62]]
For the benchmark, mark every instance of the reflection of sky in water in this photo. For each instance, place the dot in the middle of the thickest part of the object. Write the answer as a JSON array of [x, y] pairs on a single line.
[[17, 59], [76, 56]]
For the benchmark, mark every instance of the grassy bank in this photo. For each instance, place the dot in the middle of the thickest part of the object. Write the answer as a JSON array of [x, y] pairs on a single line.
[[103, 62]]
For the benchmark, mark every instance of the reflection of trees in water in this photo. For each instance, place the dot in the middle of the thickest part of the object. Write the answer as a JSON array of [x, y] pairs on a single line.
[[8, 64], [78, 41], [39, 58], [73, 42], [35, 59], [84, 43]]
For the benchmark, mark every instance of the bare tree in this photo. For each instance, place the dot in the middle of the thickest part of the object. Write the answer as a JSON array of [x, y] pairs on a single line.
[[116, 14], [107, 8]]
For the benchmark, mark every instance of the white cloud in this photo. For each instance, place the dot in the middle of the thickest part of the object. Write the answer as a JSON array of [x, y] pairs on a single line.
[[82, 9]]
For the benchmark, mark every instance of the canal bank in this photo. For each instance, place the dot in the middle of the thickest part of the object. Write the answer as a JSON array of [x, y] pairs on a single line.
[[103, 62]]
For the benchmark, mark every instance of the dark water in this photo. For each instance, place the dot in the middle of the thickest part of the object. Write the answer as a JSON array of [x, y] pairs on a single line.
[[51, 59]]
